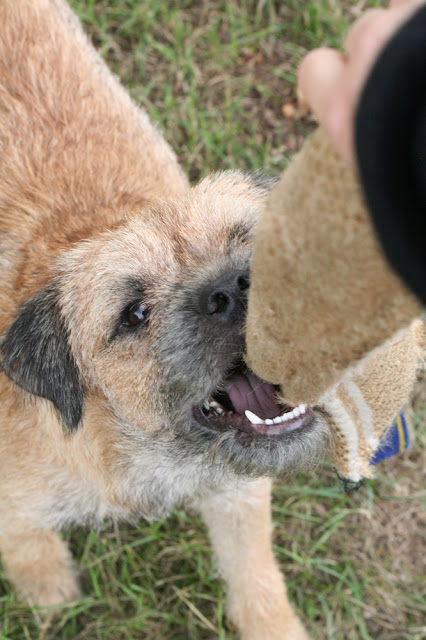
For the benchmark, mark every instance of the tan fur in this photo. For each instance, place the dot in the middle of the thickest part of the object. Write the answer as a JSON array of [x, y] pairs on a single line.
[[91, 197], [260, 610], [40, 558]]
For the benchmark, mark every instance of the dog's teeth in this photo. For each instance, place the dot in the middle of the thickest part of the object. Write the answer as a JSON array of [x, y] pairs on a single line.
[[286, 416], [254, 419], [212, 404], [280, 419]]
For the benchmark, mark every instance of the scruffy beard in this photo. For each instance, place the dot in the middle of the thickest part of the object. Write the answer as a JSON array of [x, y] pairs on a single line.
[[242, 424], [163, 470], [259, 454]]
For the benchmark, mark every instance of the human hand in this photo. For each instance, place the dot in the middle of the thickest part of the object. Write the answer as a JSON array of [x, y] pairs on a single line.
[[331, 82]]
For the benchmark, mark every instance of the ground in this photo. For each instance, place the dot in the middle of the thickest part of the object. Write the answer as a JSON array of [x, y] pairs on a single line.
[[216, 75]]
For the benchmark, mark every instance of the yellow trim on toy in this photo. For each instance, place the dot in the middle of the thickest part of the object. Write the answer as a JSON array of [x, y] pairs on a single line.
[[401, 434]]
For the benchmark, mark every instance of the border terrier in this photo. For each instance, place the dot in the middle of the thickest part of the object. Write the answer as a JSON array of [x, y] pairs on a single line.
[[123, 299]]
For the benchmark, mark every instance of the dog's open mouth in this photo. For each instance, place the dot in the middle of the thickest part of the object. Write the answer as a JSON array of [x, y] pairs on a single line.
[[249, 404]]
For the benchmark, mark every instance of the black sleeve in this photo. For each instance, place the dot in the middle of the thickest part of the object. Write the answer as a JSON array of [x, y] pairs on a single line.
[[390, 141]]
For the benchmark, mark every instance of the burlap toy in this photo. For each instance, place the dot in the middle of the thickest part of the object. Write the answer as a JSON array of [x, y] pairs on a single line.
[[328, 320]]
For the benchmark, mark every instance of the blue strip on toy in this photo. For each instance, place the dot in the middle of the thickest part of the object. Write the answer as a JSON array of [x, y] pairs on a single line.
[[396, 440]]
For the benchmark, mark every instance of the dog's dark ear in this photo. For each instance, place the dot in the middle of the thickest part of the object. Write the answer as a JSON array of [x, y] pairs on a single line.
[[35, 353]]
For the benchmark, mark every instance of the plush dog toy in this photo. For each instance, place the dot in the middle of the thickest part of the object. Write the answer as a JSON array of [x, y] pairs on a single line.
[[328, 320]]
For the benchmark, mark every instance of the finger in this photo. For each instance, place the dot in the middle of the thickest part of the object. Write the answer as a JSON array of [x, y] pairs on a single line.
[[364, 32], [322, 84], [318, 77], [406, 3], [369, 33]]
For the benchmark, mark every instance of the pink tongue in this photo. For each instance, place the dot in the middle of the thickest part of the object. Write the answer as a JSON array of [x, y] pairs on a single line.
[[250, 392]]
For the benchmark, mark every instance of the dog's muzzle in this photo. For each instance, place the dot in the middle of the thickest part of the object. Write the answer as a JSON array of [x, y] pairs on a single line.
[[250, 405]]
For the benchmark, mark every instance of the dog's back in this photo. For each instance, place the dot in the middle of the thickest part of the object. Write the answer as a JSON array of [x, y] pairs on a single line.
[[72, 142]]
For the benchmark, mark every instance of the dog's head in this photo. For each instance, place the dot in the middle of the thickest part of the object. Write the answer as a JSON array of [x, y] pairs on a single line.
[[149, 319]]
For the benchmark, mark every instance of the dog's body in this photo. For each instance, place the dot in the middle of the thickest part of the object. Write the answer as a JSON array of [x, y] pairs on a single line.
[[123, 296]]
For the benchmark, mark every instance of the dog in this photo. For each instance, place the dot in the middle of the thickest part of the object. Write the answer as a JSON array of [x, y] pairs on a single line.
[[123, 387]]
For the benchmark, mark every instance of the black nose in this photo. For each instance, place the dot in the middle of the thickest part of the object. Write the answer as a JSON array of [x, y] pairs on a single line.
[[226, 299]]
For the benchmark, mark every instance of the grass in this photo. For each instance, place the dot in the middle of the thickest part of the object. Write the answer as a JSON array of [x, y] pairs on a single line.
[[214, 75]]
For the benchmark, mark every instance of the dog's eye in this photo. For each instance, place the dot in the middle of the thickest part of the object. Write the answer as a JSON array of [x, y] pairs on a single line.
[[135, 314]]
